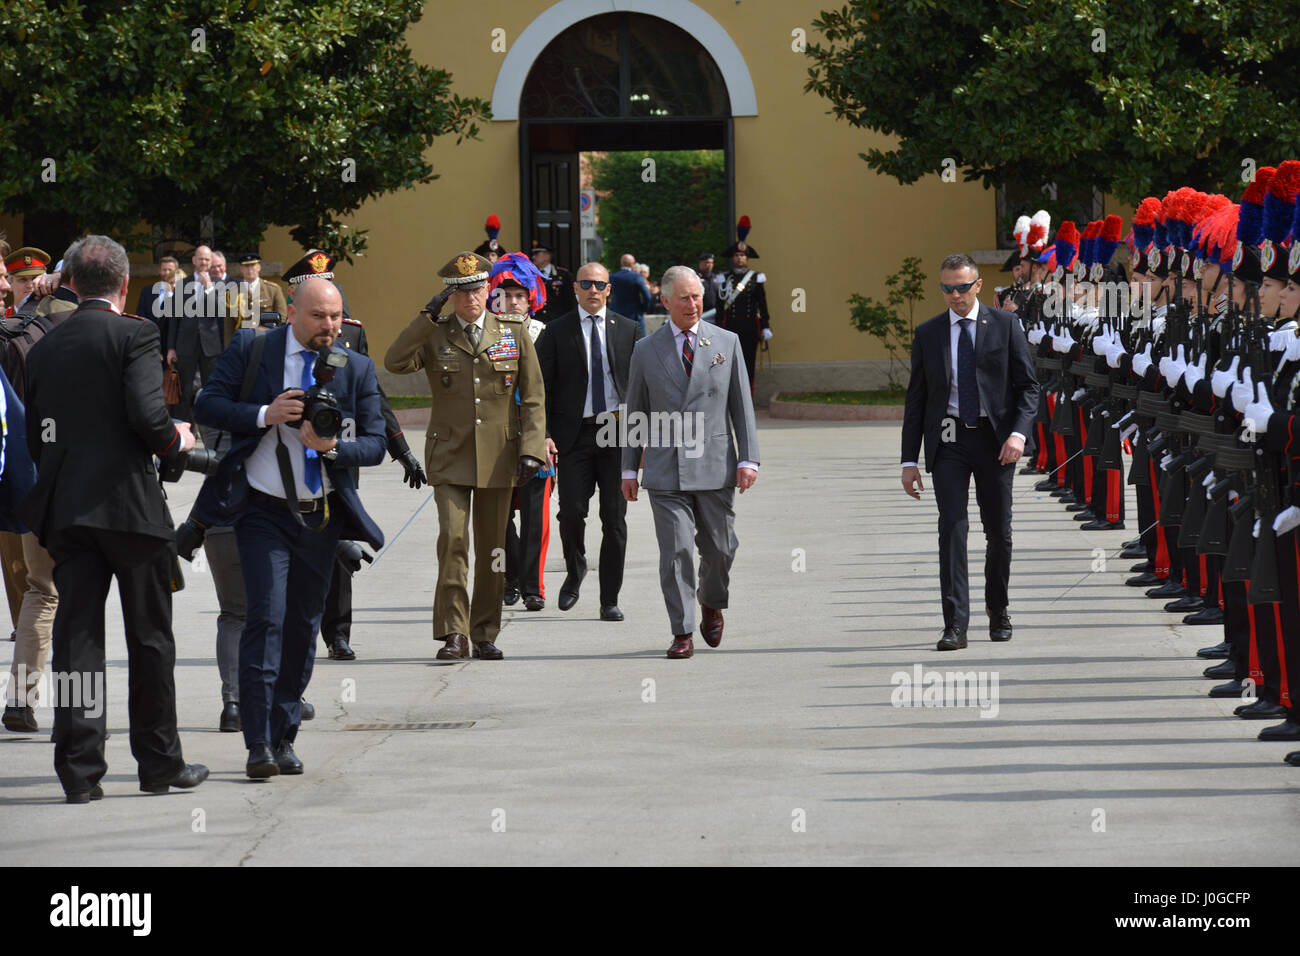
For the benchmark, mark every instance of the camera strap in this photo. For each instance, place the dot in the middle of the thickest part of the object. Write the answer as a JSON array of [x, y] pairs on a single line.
[[286, 477]]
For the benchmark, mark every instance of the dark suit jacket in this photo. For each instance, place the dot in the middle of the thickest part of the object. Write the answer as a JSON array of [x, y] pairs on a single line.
[[194, 335], [1004, 371], [562, 354], [93, 444], [218, 406]]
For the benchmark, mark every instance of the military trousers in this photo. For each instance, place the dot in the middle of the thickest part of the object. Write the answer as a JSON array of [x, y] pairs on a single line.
[[488, 510]]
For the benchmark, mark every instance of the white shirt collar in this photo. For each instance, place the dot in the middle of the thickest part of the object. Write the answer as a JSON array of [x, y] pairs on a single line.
[[954, 318], [464, 325], [678, 333], [585, 314]]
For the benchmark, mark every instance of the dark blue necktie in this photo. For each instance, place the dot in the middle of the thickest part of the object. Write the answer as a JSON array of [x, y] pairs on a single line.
[[968, 396], [311, 469], [597, 369]]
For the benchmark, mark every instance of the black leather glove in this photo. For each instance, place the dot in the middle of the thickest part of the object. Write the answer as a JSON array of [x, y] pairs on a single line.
[[434, 308], [415, 476], [350, 554], [528, 468]]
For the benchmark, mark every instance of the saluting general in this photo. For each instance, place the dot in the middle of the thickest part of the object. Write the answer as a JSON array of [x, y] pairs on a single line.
[[478, 444]]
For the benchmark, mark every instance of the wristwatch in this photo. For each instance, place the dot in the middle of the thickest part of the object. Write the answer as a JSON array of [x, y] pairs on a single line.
[[332, 454]]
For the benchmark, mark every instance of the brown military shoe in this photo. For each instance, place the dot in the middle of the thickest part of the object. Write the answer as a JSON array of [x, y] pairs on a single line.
[[487, 651], [711, 626], [682, 647], [456, 649]]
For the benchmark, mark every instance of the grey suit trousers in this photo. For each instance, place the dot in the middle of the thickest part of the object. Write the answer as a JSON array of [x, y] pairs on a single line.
[[684, 521]]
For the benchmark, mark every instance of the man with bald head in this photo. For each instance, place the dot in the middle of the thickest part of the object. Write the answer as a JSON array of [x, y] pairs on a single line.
[[193, 336], [629, 291], [287, 485], [584, 357]]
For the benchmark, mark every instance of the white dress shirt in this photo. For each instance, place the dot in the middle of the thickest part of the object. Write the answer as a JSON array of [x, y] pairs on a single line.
[[262, 469], [954, 330], [611, 393], [678, 336]]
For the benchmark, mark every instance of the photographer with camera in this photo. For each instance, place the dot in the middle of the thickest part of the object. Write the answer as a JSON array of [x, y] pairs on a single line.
[[311, 415], [99, 510]]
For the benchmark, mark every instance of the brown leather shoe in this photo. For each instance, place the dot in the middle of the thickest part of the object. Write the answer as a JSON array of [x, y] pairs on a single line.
[[711, 626], [682, 647], [456, 649], [487, 651]]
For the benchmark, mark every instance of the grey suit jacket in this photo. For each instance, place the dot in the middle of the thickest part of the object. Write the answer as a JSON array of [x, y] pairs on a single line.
[[693, 430]]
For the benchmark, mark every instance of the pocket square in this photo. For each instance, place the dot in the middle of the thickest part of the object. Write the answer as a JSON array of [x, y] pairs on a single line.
[[718, 359]]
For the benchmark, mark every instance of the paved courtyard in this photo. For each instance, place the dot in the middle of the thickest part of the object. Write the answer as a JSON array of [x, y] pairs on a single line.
[[1096, 746]]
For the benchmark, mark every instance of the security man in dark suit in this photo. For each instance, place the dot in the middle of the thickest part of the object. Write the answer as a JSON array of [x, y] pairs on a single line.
[[972, 397], [98, 509], [292, 498], [585, 356]]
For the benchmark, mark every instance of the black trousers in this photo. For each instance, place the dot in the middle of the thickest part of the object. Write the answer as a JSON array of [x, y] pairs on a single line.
[[85, 562], [336, 622], [973, 453], [582, 470], [526, 548], [187, 363]]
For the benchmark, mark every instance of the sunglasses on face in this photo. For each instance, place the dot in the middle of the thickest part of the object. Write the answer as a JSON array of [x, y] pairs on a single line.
[[588, 283], [960, 287]]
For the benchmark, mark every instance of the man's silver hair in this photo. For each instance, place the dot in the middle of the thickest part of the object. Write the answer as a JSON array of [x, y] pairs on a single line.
[[672, 275]]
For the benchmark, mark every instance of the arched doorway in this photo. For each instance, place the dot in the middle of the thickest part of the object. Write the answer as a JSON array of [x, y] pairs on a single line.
[[614, 81]]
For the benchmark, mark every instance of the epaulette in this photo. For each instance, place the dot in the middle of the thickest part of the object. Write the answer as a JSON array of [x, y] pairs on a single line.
[[512, 319], [132, 315], [761, 277], [351, 321]]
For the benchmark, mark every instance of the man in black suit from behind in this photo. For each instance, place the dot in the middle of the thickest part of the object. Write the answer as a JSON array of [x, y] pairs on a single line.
[[98, 509], [569, 348], [972, 397]]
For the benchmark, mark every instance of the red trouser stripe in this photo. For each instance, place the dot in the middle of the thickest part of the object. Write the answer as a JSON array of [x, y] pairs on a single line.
[[1285, 694], [1114, 488], [546, 537], [1162, 545], [1256, 671], [1087, 479], [1204, 577], [1060, 459], [1040, 462]]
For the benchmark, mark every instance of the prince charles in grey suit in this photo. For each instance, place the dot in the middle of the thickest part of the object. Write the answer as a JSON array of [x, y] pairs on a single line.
[[689, 424]]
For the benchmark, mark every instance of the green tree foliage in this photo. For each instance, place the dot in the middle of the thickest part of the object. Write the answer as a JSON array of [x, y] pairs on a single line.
[[882, 320], [1079, 93], [248, 111], [665, 214]]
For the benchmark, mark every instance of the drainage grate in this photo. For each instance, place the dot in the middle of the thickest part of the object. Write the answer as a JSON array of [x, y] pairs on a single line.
[[424, 725]]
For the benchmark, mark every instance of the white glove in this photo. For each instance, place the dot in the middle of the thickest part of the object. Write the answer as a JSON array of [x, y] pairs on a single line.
[[1142, 361], [1243, 391], [1063, 343], [1114, 352], [1036, 336], [1164, 462], [1210, 479], [1176, 367], [1286, 520], [1258, 412], [767, 334], [1099, 343], [1078, 394], [1254, 532], [1128, 433], [1221, 381], [1196, 373]]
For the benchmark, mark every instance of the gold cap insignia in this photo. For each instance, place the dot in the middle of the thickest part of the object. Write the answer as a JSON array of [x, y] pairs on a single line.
[[319, 262]]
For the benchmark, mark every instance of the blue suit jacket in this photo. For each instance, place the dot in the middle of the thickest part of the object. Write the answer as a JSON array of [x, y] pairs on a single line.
[[629, 295], [19, 473], [218, 406]]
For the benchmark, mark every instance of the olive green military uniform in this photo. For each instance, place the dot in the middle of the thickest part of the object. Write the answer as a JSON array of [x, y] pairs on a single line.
[[476, 436]]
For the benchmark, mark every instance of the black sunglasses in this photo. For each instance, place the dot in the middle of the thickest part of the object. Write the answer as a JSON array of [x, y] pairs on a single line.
[[960, 287], [588, 283]]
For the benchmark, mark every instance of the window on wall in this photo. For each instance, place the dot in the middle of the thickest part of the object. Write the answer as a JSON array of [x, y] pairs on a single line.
[[624, 65], [1016, 199]]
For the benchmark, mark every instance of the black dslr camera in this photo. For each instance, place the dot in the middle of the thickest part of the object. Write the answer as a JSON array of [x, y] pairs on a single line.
[[320, 406], [200, 460]]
